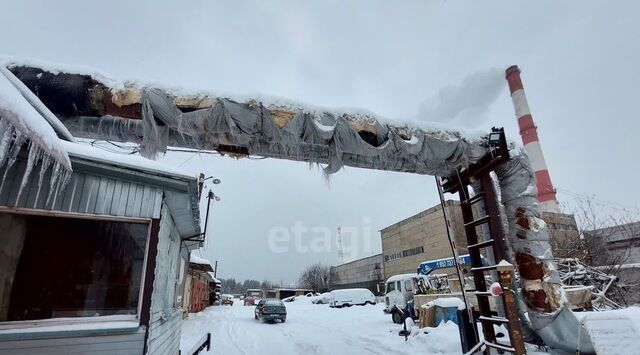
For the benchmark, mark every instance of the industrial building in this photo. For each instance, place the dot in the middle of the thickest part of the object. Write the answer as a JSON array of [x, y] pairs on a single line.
[[362, 273], [623, 240], [421, 237]]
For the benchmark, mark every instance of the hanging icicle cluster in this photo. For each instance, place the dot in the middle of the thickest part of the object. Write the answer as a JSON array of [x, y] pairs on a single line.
[[12, 141], [22, 126]]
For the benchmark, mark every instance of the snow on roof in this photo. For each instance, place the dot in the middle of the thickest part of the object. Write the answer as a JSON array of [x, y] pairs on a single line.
[[213, 277], [137, 162], [402, 277], [16, 111], [198, 260], [446, 302]]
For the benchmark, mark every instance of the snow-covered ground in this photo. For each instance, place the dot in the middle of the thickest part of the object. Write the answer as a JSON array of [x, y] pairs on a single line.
[[312, 329], [319, 329]]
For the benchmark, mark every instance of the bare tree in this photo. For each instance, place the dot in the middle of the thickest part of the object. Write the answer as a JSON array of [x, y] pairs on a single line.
[[315, 277], [600, 241]]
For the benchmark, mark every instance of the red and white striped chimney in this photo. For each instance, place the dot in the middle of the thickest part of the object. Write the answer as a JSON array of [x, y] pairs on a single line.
[[529, 134]]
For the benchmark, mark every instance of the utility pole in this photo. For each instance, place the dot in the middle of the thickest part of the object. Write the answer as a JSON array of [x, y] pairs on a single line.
[[215, 270], [340, 253]]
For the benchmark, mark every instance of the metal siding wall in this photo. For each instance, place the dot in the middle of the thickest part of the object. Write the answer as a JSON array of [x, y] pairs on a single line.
[[85, 193], [128, 343], [164, 326]]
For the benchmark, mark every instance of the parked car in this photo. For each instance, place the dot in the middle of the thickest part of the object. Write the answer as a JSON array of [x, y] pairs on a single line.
[[324, 298], [350, 297], [227, 300], [271, 309], [249, 301], [251, 296]]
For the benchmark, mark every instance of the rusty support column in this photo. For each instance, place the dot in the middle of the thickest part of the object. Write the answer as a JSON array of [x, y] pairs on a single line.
[[505, 272]]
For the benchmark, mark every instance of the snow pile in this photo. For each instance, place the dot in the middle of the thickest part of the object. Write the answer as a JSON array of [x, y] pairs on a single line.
[[446, 302], [21, 124]]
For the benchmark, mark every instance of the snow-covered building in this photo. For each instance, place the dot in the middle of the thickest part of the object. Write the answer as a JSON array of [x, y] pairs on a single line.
[[198, 286], [367, 273], [93, 250]]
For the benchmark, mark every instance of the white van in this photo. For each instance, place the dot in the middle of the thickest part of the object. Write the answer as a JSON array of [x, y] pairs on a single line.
[[399, 290], [351, 296]]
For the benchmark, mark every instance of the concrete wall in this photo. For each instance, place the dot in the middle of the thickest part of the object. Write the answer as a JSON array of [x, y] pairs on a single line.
[[362, 273], [426, 229]]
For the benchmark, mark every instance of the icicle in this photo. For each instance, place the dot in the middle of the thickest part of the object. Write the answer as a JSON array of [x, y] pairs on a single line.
[[35, 153], [12, 152], [5, 140], [59, 179], [44, 166]]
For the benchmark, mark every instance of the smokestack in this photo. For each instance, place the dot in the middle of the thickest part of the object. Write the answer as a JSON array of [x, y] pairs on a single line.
[[529, 134]]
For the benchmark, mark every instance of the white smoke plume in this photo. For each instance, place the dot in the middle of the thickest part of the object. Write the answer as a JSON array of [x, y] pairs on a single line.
[[466, 103]]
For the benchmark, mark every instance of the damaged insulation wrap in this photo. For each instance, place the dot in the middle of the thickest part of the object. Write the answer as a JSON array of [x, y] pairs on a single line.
[[542, 290], [92, 107]]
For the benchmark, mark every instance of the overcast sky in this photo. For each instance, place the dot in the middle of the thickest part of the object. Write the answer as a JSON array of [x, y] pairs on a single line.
[[579, 62]]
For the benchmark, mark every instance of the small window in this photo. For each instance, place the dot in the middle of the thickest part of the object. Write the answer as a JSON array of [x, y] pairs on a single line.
[[66, 267], [408, 285], [391, 286], [398, 285]]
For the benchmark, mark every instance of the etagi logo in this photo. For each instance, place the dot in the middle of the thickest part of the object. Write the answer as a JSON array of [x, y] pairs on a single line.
[[351, 240]]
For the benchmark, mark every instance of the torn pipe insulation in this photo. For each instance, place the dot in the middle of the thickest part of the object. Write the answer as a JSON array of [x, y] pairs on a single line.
[[542, 290], [159, 118], [90, 107]]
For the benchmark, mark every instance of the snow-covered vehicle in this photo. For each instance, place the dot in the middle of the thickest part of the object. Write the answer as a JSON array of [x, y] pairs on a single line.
[[350, 297], [324, 298], [271, 309]]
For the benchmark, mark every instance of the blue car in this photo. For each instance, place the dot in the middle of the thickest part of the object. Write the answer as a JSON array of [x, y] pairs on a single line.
[[271, 309]]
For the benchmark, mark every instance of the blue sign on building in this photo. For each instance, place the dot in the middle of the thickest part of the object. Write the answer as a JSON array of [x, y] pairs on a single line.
[[427, 267]]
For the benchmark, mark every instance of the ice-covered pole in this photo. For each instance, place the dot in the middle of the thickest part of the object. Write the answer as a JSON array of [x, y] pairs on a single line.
[[529, 134]]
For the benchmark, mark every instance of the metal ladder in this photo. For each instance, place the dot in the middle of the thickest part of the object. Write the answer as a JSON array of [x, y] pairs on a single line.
[[459, 183]]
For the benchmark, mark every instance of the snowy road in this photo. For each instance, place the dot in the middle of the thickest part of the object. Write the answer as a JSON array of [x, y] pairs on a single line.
[[319, 329], [312, 329]]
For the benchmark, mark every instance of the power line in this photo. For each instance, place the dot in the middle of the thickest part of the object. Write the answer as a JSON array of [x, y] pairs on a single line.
[[611, 204]]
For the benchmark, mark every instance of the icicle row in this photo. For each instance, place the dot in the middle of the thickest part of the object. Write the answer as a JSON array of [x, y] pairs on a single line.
[[11, 142]]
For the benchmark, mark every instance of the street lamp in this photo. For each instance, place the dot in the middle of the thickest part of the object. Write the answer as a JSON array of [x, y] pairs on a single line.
[[210, 196]]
